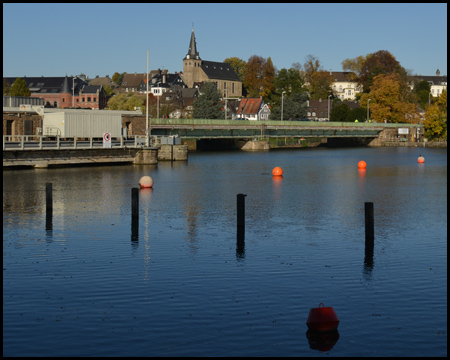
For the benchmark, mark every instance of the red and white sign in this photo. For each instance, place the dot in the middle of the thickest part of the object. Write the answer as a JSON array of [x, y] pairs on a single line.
[[106, 140]]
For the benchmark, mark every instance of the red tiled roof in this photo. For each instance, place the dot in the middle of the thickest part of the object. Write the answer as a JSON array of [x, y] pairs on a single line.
[[249, 106]]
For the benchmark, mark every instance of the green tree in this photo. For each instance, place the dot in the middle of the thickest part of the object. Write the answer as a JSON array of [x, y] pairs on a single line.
[[320, 86], [288, 80], [310, 67], [436, 119], [208, 105], [109, 90], [117, 78], [358, 113], [339, 112], [294, 107], [19, 88], [238, 65], [422, 91]]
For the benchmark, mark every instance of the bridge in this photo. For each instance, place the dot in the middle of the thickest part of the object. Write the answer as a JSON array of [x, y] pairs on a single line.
[[246, 129]]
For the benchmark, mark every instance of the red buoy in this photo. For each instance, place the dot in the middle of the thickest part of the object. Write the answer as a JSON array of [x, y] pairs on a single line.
[[277, 171], [362, 164], [322, 319], [420, 159]]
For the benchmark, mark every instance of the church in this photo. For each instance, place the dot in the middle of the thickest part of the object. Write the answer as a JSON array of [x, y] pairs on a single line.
[[196, 71]]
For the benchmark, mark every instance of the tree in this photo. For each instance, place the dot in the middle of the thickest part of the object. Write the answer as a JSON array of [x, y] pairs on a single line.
[[386, 100], [381, 62], [422, 92], [208, 105], [19, 88], [6, 87], [259, 75], [436, 119], [294, 107], [340, 112], [358, 113], [354, 66], [109, 90], [320, 86], [311, 66], [117, 78], [288, 80], [126, 102], [238, 65]]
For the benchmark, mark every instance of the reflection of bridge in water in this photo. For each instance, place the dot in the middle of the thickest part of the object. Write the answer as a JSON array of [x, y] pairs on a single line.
[[214, 129]]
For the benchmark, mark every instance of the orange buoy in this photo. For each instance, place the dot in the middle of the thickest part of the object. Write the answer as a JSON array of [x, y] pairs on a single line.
[[277, 171], [362, 164], [322, 319], [146, 182], [420, 159]]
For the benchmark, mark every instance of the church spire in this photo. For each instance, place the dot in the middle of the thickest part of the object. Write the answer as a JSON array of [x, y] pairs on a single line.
[[66, 86], [192, 52]]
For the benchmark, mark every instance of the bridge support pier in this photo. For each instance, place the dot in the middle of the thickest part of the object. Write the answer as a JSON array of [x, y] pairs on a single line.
[[256, 145], [146, 156]]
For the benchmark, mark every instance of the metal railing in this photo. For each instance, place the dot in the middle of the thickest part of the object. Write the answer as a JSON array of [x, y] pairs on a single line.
[[40, 142]]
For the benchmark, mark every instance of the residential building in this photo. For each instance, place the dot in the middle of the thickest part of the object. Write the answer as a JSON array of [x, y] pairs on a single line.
[[345, 86], [196, 70], [317, 110], [65, 92], [253, 109], [438, 83]]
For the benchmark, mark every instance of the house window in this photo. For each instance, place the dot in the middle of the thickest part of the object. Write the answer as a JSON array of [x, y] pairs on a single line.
[[349, 92], [64, 100], [126, 89], [224, 85], [78, 100], [340, 88], [95, 100], [232, 88], [82, 100]]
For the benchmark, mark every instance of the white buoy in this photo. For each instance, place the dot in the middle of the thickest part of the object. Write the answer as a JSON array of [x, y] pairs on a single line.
[[146, 182]]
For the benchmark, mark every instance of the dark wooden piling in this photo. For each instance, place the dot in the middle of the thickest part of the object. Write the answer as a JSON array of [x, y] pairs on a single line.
[[370, 234], [48, 198], [134, 213], [48, 206], [241, 216]]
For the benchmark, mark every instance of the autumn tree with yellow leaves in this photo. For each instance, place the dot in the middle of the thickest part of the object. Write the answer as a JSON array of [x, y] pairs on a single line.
[[436, 119], [387, 101]]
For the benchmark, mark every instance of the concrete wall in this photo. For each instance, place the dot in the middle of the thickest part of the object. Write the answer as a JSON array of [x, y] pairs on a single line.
[[173, 153]]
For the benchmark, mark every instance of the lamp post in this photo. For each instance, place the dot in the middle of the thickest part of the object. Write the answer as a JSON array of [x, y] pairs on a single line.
[[73, 92], [146, 111], [157, 109], [368, 109], [282, 94], [226, 96], [329, 107]]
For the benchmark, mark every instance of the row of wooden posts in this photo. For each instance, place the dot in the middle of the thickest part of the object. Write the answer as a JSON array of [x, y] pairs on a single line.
[[368, 214]]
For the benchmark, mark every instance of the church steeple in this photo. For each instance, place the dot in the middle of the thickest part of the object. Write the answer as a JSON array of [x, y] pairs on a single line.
[[66, 87], [438, 73], [192, 52]]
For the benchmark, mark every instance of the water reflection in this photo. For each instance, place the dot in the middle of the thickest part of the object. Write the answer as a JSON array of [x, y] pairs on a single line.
[[322, 340]]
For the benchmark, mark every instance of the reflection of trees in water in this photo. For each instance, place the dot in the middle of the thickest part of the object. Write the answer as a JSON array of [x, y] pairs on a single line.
[[191, 214]]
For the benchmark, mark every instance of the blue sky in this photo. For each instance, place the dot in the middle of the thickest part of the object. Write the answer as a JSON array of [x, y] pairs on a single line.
[[100, 39]]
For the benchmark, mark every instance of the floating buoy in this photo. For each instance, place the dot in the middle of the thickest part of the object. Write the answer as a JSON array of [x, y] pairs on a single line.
[[277, 171], [322, 319], [420, 159], [146, 182], [362, 164]]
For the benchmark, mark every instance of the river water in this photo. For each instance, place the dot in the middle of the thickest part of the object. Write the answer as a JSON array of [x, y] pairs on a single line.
[[83, 286]]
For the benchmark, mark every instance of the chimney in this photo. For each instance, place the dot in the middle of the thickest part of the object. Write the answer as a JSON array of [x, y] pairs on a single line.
[[164, 78]]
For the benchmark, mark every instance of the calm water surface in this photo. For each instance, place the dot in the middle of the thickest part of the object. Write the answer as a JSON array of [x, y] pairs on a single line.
[[186, 287]]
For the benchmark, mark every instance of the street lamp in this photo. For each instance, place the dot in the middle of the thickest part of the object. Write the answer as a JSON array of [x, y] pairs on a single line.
[[157, 115], [282, 94], [226, 96], [368, 109], [146, 111], [73, 92], [329, 107]]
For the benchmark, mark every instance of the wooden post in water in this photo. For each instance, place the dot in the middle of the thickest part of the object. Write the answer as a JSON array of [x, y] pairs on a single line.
[[134, 213], [241, 216], [370, 234], [48, 206]]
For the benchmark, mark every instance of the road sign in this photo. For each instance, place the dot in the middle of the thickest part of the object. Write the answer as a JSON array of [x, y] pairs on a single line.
[[106, 140]]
